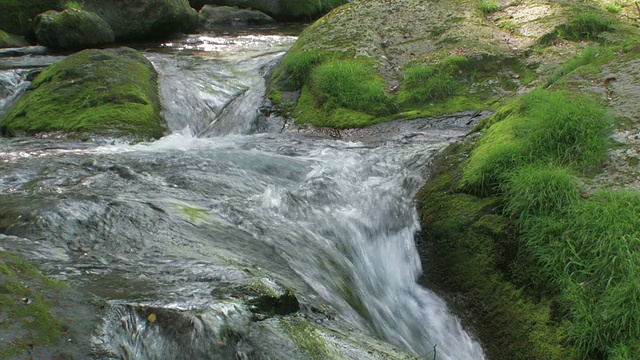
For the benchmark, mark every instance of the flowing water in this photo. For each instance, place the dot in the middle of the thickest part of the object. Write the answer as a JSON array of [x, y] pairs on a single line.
[[162, 227]]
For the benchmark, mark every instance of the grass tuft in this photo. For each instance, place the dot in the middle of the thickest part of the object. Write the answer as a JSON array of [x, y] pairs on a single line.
[[588, 24], [295, 68], [427, 83], [351, 84], [544, 126], [488, 6], [584, 58], [70, 5]]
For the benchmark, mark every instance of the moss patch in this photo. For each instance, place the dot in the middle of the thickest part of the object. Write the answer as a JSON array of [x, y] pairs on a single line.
[[72, 28], [469, 248], [26, 319], [109, 92], [306, 337], [9, 40]]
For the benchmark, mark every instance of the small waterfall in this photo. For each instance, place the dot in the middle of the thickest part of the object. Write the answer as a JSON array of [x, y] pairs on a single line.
[[13, 83]]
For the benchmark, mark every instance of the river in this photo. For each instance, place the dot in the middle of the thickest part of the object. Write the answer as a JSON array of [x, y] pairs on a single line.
[[225, 200]]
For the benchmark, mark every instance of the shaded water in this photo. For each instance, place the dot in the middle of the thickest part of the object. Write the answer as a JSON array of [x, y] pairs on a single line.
[[160, 227]]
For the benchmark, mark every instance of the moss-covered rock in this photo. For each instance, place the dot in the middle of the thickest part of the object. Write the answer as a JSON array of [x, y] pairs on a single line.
[[469, 254], [141, 19], [72, 28], [9, 40], [436, 57], [227, 15], [17, 15], [279, 9], [26, 319], [111, 92]]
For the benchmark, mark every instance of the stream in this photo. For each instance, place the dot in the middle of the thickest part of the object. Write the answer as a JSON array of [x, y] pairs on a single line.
[[175, 227]]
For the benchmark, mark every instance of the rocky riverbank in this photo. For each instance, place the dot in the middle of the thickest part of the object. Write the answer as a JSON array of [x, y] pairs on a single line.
[[499, 221]]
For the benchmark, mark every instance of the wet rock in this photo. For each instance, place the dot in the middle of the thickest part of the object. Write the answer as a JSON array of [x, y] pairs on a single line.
[[70, 96], [140, 19], [9, 40], [226, 15], [21, 51], [279, 9], [72, 28], [262, 295], [41, 318]]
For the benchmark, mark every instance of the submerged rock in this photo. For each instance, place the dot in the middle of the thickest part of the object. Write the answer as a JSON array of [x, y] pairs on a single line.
[[262, 296], [111, 92], [72, 28], [226, 15], [140, 19], [10, 41]]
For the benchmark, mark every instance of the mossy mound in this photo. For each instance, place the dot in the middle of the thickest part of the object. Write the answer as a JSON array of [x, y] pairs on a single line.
[[433, 58], [8, 40], [284, 10], [25, 318], [142, 19], [72, 28], [111, 92]]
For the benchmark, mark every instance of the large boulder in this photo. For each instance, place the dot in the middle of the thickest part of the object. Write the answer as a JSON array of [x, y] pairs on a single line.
[[110, 92], [227, 15], [9, 40], [72, 28], [140, 19], [279, 9]]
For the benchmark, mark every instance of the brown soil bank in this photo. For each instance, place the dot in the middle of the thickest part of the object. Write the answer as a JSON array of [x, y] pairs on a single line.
[[530, 225]]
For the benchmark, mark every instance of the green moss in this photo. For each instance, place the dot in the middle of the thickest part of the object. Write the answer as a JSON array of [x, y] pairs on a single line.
[[24, 308], [17, 16], [305, 336], [194, 214], [110, 92], [468, 248], [9, 40], [584, 58], [72, 28]]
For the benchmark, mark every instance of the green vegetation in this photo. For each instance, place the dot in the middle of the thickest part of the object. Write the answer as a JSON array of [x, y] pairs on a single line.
[[305, 336], [110, 92], [508, 217], [9, 40], [24, 310], [295, 68], [589, 24], [488, 6], [338, 92], [71, 5], [471, 249], [428, 83], [579, 60], [541, 126], [612, 8], [351, 84]]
